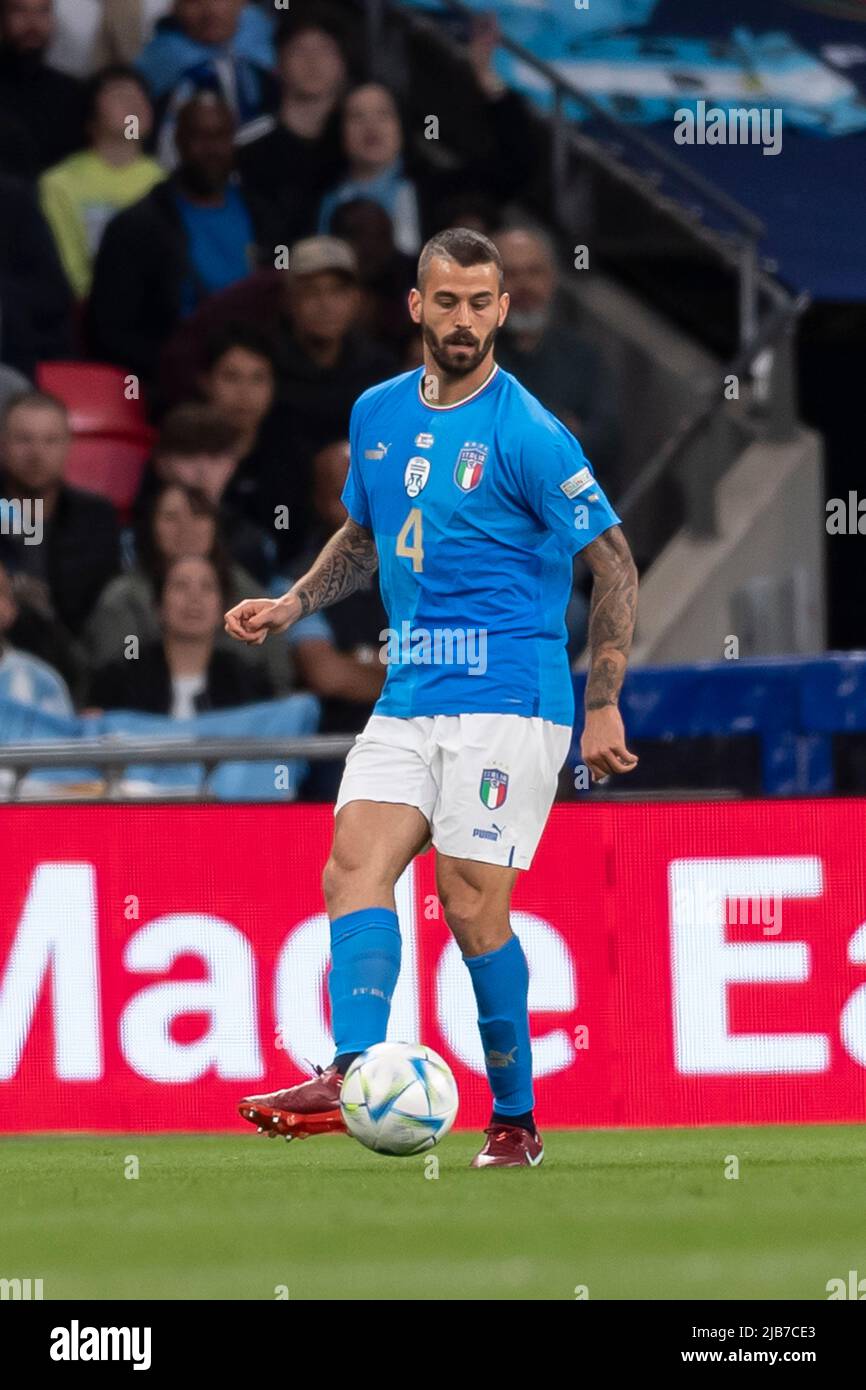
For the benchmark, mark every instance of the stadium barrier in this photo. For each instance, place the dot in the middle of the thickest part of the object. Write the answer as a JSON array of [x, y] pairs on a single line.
[[689, 964], [794, 706]]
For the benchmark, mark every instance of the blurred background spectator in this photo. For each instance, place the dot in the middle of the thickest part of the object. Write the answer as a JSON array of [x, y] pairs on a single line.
[[35, 301], [58, 570], [198, 448], [192, 235], [380, 167], [546, 353], [219, 46], [178, 521], [323, 361], [185, 672], [80, 195], [23, 677], [385, 274], [126, 27], [42, 110], [293, 156], [271, 483]]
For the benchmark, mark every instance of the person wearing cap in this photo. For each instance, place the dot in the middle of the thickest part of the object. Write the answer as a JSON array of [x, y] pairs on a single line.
[[190, 237], [310, 311]]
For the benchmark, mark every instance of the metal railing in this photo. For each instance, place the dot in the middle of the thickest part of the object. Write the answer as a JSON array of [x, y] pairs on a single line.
[[112, 757]]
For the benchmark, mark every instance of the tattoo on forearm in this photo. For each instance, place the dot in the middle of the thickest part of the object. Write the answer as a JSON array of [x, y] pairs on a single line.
[[345, 564], [611, 616]]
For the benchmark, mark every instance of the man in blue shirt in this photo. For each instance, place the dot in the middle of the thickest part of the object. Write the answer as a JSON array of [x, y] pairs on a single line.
[[471, 499]]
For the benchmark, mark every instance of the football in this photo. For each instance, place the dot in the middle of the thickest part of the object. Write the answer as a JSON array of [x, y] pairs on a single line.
[[399, 1098]]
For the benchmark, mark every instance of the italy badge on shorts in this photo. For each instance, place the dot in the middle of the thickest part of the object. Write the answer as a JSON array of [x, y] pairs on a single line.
[[470, 466], [494, 787]]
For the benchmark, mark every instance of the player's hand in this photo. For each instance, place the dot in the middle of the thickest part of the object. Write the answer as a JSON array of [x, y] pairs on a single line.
[[602, 745], [254, 619]]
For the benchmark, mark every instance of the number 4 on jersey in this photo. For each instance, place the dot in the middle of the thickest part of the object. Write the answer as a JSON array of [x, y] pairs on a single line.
[[412, 527]]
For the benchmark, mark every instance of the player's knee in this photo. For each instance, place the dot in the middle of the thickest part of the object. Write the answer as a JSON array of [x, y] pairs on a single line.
[[464, 911], [350, 882], [336, 878]]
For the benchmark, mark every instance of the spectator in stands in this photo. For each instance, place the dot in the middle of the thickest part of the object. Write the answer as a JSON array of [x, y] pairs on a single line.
[[24, 678], [179, 521], [271, 483], [324, 363], [184, 673], [199, 449], [292, 157], [412, 194], [80, 195], [221, 46], [386, 275], [127, 27], [35, 303], [76, 35], [192, 235], [42, 107], [338, 659], [60, 543], [545, 352]]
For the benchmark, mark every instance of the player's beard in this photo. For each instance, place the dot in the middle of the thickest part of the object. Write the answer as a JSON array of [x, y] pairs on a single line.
[[447, 365]]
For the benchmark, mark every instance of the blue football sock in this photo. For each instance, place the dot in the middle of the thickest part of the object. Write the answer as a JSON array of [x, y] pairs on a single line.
[[365, 963], [500, 979]]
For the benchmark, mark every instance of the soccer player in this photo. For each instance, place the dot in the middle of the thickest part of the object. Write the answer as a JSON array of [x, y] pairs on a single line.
[[471, 499]]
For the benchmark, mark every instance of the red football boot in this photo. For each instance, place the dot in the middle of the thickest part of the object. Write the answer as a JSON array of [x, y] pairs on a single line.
[[509, 1146], [311, 1107]]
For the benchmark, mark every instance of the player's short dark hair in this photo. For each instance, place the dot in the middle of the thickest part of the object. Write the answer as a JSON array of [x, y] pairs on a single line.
[[31, 398], [239, 334], [194, 429], [462, 245]]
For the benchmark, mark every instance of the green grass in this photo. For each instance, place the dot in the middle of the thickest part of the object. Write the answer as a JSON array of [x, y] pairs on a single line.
[[629, 1213]]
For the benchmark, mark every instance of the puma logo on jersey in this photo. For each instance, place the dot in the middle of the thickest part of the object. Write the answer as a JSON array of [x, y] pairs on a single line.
[[378, 453]]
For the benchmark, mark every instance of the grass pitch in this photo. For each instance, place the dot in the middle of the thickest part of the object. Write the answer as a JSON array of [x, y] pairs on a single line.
[[628, 1213]]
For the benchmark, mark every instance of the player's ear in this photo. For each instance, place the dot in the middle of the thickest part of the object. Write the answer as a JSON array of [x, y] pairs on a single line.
[[415, 306], [504, 302]]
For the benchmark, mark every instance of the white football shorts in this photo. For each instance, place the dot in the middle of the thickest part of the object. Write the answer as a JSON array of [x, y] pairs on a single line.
[[485, 782]]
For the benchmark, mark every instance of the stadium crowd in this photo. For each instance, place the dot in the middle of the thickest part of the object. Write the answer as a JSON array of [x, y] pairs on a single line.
[[216, 199]]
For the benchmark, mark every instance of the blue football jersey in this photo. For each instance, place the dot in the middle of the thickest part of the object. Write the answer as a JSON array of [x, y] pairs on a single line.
[[477, 509]]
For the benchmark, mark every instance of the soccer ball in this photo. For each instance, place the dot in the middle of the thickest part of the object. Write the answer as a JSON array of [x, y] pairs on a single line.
[[399, 1098]]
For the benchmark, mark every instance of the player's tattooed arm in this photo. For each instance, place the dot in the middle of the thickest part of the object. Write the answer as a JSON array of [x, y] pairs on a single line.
[[345, 563], [612, 614]]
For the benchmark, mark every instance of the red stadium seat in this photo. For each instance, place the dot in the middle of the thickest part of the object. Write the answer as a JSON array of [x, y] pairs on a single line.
[[95, 396], [111, 439], [111, 467]]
